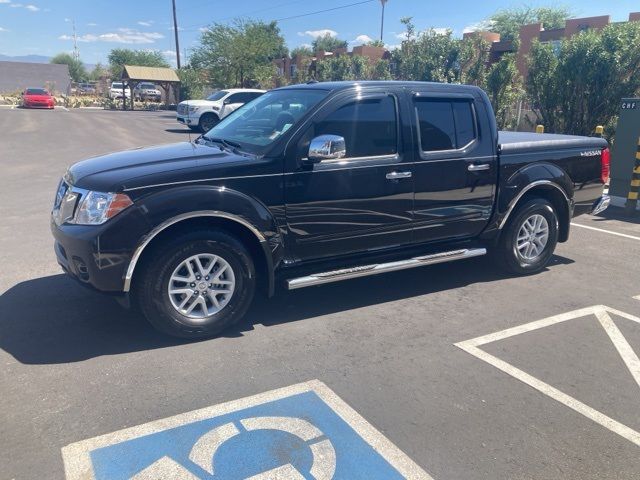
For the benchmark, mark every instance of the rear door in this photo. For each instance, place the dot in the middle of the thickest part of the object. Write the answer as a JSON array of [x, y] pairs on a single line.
[[455, 172], [358, 203]]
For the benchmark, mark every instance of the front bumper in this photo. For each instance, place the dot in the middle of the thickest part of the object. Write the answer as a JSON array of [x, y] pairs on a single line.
[[186, 120], [80, 252]]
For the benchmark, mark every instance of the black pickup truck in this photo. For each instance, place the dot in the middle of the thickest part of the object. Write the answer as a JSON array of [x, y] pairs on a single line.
[[317, 183]]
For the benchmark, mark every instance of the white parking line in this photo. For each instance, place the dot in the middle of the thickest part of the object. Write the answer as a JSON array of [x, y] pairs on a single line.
[[606, 231], [601, 312]]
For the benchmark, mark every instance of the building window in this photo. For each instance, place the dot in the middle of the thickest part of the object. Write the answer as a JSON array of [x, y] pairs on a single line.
[[293, 70]]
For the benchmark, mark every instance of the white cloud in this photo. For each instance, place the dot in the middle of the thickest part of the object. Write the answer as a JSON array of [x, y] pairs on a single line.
[[145, 23], [32, 8], [478, 27], [362, 39], [16, 5], [91, 24], [123, 35], [401, 36], [441, 30], [5, 1], [179, 29], [3, 29], [393, 46], [318, 33], [169, 53], [203, 29]]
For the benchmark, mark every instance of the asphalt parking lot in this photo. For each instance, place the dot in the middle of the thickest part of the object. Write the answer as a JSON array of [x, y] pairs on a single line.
[[424, 355]]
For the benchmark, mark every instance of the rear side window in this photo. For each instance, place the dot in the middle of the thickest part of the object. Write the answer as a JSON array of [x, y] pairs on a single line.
[[369, 127], [445, 124]]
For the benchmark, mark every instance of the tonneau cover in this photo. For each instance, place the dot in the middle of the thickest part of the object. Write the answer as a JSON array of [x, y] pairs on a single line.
[[525, 141]]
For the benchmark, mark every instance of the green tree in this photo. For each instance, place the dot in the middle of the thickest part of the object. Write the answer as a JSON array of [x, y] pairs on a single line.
[[119, 57], [381, 70], [98, 72], [192, 83], [430, 56], [239, 54], [507, 22], [504, 87], [302, 51], [76, 68], [375, 43], [328, 43], [578, 86], [474, 58]]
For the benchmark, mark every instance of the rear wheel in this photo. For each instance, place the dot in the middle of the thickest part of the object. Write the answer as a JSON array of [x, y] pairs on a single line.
[[207, 122], [530, 238], [197, 285]]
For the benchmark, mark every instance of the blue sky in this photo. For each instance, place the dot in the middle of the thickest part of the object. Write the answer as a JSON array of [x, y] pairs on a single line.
[[44, 27]]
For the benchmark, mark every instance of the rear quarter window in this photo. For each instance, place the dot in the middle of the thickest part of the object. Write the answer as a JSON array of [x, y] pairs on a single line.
[[445, 124]]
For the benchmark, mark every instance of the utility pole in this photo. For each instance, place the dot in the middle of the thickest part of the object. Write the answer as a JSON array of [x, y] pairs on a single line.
[[175, 31], [383, 2], [76, 52]]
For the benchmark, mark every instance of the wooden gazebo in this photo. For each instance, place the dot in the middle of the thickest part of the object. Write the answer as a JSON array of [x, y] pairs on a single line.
[[167, 78]]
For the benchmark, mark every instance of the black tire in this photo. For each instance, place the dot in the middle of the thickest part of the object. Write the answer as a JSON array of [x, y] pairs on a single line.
[[507, 252], [207, 122], [152, 286]]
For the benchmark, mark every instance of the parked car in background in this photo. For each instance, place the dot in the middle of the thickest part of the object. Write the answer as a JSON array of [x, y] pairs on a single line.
[[146, 91], [37, 98], [115, 92], [86, 89], [319, 183], [203, 115]]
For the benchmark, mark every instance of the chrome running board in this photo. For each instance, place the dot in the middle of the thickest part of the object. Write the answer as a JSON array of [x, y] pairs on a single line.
[[365, 270]]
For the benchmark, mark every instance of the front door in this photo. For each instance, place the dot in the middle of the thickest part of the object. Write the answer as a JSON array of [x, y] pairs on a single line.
[[358, 203], [456, 169]]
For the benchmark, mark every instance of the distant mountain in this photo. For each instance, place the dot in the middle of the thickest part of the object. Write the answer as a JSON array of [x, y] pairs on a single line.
[[36, 59], [25, 58]]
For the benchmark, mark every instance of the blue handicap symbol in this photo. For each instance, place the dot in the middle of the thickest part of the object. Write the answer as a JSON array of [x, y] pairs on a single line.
[[295, 437]]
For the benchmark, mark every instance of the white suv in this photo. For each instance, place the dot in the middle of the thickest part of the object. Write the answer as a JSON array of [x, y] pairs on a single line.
[[203, 115], [115, 91]]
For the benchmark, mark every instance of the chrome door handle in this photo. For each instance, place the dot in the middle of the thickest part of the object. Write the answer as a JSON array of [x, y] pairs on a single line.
[[478, 168], [398, 175]]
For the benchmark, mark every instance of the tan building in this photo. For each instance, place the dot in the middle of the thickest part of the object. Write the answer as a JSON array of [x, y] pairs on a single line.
[[536, 31]]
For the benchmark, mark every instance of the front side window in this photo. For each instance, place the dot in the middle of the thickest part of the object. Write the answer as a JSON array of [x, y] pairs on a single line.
[[258, 124], [445, 124], [369, 127]]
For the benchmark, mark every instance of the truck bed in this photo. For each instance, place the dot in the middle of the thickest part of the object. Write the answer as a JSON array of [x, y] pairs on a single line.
[[519, 141]]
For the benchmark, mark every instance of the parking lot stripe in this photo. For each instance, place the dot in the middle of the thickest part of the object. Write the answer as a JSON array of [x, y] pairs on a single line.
[[472, 347], [605, 231], [629, 357]]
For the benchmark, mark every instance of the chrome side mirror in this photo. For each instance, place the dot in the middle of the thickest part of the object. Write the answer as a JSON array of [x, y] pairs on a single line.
[[326, 147]]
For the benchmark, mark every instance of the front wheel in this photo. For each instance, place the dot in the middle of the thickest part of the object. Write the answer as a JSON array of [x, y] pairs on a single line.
[[207, 122], [197, 285], [530, 238]]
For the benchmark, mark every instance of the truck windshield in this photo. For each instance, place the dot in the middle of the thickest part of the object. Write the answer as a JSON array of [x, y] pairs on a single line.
[[217, 96], [259, 123]]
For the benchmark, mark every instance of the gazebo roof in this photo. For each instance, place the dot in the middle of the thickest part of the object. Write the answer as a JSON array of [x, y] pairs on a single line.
[[151, 74]]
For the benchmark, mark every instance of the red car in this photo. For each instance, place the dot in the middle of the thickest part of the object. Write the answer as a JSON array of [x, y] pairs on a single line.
[[37, 98]]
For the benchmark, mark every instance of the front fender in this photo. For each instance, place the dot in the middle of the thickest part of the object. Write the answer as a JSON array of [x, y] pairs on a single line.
[[160, 210]]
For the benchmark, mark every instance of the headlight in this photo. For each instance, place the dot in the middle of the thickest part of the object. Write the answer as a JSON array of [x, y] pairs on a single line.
[[97, 207], [193, 109]]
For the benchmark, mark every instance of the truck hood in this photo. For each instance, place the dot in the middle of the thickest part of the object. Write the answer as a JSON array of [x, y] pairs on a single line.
[[200, 103], [147, 166]]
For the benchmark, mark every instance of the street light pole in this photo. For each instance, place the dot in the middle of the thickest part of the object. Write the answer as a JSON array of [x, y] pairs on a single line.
[[383, 2], [175, 31]]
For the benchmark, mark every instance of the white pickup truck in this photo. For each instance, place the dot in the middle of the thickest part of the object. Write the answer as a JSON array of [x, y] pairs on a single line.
[[115, 92], [203, 115]]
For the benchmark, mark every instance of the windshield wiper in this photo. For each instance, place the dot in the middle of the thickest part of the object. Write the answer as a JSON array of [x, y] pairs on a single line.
[[227, 143]]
